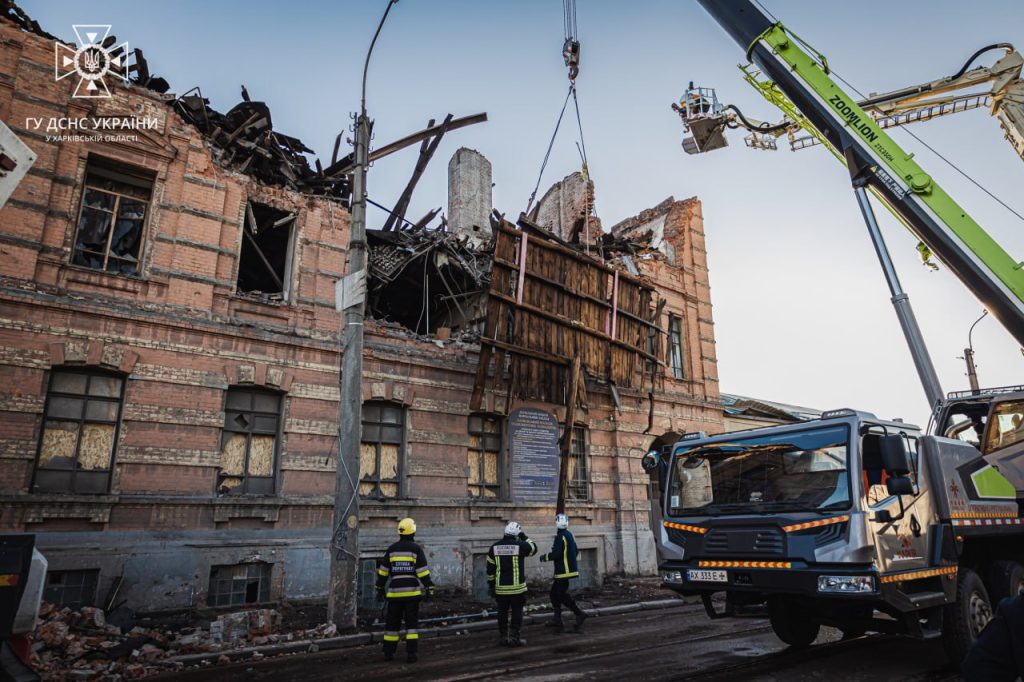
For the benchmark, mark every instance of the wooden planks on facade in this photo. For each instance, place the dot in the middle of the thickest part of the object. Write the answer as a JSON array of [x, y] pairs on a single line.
[[549, 305]]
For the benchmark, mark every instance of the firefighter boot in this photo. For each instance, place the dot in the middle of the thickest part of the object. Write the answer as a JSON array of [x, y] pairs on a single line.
[[503, 636], [581, 616], [389, 650], [514, 639], [556, 620]]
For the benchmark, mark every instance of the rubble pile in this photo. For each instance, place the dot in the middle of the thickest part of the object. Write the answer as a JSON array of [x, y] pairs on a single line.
[[81, 645]]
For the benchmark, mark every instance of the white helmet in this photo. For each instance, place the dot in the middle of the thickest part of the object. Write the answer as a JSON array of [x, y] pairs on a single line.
[[513, 528], [561, 521]]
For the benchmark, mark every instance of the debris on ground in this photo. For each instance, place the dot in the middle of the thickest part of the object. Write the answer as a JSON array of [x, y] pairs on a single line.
[[81, 645]]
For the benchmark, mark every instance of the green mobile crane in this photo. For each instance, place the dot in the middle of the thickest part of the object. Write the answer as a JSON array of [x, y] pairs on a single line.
[[854, 521]]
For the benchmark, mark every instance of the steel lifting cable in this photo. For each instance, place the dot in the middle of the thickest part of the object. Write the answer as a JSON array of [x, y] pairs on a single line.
[[571, 52], [579, 123], [569, 18], [547, 155]]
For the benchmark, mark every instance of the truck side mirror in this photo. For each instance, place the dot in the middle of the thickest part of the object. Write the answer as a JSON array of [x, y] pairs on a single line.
[[899, 485], [895, 459], [650, 461]]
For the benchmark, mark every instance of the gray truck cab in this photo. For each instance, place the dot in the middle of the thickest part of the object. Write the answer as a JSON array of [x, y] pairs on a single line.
[[848, 520]]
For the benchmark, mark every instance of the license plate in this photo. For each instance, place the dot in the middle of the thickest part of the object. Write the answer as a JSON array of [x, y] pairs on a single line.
[[701, 576]]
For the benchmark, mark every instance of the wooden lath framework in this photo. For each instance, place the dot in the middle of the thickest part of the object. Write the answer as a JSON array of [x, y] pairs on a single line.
[[549, 305]]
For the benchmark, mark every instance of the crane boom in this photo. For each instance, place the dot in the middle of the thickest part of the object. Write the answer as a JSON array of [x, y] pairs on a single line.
[[874, 159]]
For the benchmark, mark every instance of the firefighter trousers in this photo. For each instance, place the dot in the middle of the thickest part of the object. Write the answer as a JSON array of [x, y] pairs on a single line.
[[513, 603], [407, 609], [560, 597]]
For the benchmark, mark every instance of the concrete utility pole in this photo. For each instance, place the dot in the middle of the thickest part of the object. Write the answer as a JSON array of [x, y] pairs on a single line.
[[342, 593]]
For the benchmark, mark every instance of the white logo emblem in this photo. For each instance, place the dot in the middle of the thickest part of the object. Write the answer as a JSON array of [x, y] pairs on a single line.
[[91, 61]]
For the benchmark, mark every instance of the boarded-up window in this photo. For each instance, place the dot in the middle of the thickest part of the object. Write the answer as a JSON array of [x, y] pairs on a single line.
[[484, 456], [239, 584], [381, 450], [76, 447], [675, 347], [248, 450], [578, 474], [112, 218]]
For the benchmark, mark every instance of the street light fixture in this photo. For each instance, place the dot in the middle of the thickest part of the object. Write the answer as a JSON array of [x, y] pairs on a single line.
[[972, 371]]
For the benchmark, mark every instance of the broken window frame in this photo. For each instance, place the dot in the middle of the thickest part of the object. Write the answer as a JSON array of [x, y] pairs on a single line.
[[369, 424], [97, 171], [74, 479], [83, 581], [578, 484], [675, 347], [251, 484], [249, 233], [475, 428], [259, 571]]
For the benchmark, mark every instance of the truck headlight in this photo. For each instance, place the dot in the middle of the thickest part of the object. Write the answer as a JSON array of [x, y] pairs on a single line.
[[846, 584], [671, 577]]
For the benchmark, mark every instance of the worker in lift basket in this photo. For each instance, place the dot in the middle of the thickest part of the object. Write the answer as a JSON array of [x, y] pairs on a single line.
[[403, 579], [563, 554], [506, 580]]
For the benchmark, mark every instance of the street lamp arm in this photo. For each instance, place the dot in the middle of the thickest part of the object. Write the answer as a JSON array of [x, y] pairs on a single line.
[[366, 64], [970, 344]]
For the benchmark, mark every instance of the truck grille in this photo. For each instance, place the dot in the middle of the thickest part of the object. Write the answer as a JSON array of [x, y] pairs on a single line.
[[766, 542]]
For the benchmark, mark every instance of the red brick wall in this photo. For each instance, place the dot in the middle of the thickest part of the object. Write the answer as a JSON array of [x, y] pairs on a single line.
[[181, 336]]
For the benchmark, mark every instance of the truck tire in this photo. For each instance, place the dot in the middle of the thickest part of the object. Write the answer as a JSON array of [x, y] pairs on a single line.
[[1006, 579], [964, 619], [789, 624]]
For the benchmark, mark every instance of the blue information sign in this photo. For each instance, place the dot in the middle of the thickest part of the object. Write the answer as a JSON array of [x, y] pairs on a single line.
[[533, 447]]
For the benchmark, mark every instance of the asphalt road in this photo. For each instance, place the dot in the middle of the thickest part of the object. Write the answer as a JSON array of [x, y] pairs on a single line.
[[647, 646]]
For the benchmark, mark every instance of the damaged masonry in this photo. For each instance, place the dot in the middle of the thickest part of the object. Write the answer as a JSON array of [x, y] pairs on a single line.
[[169, 355]]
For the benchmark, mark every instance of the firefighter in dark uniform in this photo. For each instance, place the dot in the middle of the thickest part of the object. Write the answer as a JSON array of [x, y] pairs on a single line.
[[506, 579], [403, 579], [563, 554]]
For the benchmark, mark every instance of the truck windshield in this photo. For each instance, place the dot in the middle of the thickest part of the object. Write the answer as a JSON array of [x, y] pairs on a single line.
[[784, 472]]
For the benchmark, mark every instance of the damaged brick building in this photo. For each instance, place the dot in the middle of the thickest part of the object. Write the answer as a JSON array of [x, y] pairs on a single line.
[[169, 355]]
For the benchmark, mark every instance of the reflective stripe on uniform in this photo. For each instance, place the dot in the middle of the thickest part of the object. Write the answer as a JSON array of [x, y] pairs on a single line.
[[401, 557], [412, 634], [510, 589], [423, 573], [390, 636], [490, 559], [570, 574], [383, 572]]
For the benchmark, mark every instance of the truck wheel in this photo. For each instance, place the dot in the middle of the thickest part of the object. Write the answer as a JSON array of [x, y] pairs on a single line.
[[964, 619], [789, 625], [1006, 579]]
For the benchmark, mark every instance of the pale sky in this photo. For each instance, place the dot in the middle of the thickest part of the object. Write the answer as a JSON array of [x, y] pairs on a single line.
[[801, 309]]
